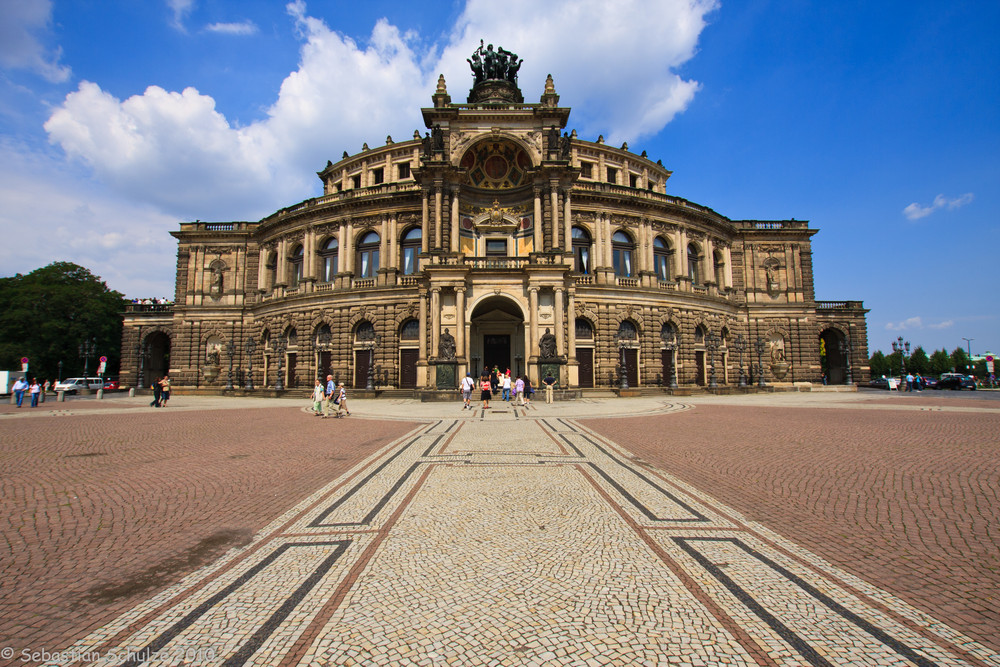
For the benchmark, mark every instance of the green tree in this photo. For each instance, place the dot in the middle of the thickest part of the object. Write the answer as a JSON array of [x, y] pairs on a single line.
[[960, 360], [46, 314], [879, 364], [940, 362], [918, 362]]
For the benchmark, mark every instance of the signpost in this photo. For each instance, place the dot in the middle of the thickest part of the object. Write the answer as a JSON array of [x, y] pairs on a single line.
[[24, 364]]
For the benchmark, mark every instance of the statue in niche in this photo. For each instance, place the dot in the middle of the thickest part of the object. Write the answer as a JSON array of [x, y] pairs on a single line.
[[564, 147], [446, 346], [437, 139], [213, 358], [427, 145], [218, 283], [553, 139], [547, 345], [771, 275]]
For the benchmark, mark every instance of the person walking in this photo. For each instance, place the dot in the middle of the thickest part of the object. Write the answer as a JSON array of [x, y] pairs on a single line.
[[317, 396], [549, 383], [528, 390], [45, 389], [157, 393], [468, 384], [164, 391], [328, 396], [341, 400], [486, 391], [35, 390], [19, 387], [519, 390], [506, 386]]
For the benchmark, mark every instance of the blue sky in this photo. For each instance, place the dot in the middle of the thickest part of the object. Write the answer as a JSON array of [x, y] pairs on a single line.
[[877, 122]]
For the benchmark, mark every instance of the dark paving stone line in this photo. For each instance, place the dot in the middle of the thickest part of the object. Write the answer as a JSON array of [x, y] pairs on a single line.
[[786, 633], [265, 631]]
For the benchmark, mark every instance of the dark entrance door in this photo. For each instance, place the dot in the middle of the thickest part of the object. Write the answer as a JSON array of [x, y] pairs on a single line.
[[292, 359], [667, 362], [585, 355], [324, 365], [408, 368], [699, 365], [632, 367], [496, 352], [360, 369], [835, 361]]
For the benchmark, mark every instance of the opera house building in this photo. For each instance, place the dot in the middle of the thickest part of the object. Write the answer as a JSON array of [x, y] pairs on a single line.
[[497, 238]]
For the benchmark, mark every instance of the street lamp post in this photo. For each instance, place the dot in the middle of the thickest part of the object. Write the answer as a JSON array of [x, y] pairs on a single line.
[[250, 348], [59, 379], [671, 346], [903, 347], [231, 351], [758, 347], [968, 342], [87, 348], [712, 345], [845, 349], [622, 344], [280, 345], [740, 345], [371, 343]]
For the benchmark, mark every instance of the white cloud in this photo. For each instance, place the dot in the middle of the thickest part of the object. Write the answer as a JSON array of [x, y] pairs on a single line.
[[20, 44], [946, 324], [181, 9], [917, 323], [242, 28], [612, 61], [915, 211]]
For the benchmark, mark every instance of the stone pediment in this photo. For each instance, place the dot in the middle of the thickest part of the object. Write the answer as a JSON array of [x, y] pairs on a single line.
[[495, 220]]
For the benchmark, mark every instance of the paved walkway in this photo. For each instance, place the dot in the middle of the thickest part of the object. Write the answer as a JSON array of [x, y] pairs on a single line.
[[524, 537]]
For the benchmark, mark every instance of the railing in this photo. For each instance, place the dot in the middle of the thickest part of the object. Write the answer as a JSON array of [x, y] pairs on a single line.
[[409, 281], [833, 305], [496, 262], [323, 287], [668, 285], [363, 283], [149, 307], [765, 225], [627, 282], [220, 226], [584, 280]]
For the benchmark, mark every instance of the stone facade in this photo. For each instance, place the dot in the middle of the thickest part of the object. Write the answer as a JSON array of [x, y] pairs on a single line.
[[502, 228]]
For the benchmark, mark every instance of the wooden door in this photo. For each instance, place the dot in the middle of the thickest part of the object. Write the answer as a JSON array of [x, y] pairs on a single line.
[[667, 364], [699, 364], [585, 356], [408, 368], [632, 367], [360, 369]]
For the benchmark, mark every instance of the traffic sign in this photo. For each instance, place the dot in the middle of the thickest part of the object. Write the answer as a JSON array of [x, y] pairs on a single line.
[[103, 360]]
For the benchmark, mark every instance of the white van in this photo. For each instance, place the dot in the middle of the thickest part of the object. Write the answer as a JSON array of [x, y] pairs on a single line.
[[72, 385]]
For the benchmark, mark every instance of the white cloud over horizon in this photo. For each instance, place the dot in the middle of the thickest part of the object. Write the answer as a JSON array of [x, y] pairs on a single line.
[[915, 211], [236, 28], [916, 323]]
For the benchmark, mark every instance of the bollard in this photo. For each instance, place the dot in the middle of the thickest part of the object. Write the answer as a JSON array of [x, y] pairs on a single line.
[[100, 394], [131, 392], [60, 396]]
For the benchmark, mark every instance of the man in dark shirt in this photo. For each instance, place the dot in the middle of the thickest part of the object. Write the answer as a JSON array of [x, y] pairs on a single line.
[[549, 382]]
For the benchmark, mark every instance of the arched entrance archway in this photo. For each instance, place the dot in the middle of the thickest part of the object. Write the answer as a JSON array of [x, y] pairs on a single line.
[[832, 359], [497, 336], [156, 357]]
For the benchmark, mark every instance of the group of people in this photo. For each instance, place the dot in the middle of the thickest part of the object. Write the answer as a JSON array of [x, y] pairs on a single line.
[[151, 302], [914, 382], [34, 388], [511, 388], [330, 394], [161, 392]]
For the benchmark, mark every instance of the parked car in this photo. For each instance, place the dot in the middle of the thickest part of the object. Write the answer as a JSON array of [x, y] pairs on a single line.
[[879, 383], [955, 381], [929, 382], [111, 384], [73, 385]]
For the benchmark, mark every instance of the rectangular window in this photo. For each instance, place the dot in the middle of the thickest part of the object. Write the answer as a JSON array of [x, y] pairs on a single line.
[[378, 176], [612, 175], [496, 247], [356, 181], [404, 170], [633, 181], [586, 170]]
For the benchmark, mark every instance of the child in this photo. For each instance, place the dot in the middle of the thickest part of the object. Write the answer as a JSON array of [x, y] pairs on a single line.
[[318, 395]]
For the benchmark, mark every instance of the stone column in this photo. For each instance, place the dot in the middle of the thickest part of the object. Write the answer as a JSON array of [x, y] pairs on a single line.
[[282, 277], [568, 225], [533, 323], [422, 336], [437, 217], [608, 262], [728, 254], [262, 270], [425, 226], [560, 323], [597, 252], [571, 325], [383, 250], [394, 248], [554, 213], [460, 322], [199, 274], [709, 260], [435, 320], [682, 254], [454, 220], [539, 239], [347, 247]]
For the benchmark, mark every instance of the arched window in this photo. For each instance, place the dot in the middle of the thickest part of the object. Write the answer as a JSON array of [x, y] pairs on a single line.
[[661, 259], [668, 332], [291, 337], [295, 267], [368, 256], [584, 330], [621, 251], [720, 269], [627, 331], [364, 331], [699, 334], [411, 248], [581, 250], [694, 272], [410, 330], [271, 270], [329, 255]]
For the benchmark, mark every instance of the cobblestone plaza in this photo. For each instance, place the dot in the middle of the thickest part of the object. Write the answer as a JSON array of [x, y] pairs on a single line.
[[785, 529]]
